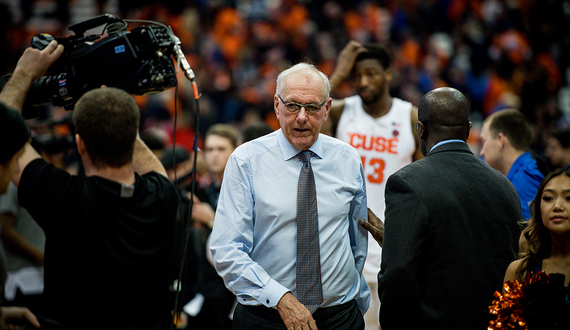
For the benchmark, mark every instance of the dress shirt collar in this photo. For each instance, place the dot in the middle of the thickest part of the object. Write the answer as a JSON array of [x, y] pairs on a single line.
[[290, 151], [444, 142]]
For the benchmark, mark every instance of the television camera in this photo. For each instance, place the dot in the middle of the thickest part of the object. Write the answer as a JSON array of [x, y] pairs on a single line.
[[137, 61]]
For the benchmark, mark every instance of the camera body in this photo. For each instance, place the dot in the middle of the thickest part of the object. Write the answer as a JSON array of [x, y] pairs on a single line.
[[138, 61]]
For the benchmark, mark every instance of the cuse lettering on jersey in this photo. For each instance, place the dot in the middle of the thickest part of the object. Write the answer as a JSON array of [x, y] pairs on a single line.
[[373, 166]]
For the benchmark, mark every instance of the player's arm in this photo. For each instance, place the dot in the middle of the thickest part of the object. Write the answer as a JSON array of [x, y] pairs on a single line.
[[345, 63], [331, 123]]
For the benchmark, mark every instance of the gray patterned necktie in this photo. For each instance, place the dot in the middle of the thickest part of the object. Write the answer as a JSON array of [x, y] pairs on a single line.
[[309, 287]]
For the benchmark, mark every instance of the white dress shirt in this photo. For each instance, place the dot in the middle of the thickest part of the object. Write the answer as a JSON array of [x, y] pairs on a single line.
[[253, 242]]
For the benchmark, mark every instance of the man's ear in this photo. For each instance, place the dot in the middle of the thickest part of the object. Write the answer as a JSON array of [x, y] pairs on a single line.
[[388, 75], [422, 131], [276, 105], [502, 139], [328, 106], [81, 149]]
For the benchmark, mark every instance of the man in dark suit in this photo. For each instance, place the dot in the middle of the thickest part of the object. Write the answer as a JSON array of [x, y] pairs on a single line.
[[450, 227]]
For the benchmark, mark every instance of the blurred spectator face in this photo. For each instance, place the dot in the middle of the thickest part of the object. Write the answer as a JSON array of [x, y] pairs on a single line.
[[218, 150], [8, 169], [557, 155], [490, 150], [300, 128], [371, 80]]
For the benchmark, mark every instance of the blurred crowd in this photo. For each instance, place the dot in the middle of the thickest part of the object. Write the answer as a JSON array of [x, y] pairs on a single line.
[[500, 53]]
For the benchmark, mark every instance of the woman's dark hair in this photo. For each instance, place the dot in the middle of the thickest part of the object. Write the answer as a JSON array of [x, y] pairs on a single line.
[[538, 241]]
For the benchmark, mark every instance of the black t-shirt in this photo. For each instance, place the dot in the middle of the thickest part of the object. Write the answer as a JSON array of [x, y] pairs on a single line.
[[107, 258]]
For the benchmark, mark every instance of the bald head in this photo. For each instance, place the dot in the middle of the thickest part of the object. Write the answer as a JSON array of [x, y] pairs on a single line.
[[446, 107], [444, 115]]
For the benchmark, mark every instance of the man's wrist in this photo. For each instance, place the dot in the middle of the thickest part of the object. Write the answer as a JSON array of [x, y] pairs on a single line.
[[22, 78]]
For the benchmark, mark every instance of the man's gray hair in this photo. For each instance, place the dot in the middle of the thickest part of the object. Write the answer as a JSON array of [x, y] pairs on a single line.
[[307, 68]]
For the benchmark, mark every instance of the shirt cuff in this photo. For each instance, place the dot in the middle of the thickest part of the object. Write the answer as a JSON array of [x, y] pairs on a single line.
[[272, 293]]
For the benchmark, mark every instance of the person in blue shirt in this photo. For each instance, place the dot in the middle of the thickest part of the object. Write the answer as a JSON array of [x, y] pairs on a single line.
[[254, 238], [506, 136]]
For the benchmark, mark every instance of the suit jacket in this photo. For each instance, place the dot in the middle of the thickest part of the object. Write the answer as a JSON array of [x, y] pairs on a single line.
[[451, 230]]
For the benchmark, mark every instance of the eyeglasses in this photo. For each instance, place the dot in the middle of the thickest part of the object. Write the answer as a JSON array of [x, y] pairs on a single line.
[[310, 108]]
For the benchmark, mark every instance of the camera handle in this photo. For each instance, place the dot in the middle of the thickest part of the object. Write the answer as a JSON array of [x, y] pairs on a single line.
[[80, 28]]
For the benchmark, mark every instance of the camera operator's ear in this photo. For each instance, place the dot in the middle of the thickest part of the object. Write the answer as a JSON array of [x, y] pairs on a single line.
[[83, 154], [81, 149]]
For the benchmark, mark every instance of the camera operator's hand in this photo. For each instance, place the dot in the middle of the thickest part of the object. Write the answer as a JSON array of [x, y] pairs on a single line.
[[35, 62], [31, 66]]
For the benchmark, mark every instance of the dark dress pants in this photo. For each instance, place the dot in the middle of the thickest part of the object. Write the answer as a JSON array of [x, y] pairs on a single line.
[[342, 317]]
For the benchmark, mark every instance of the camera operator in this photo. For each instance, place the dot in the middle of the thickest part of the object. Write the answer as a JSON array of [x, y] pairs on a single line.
[[109, 232]]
